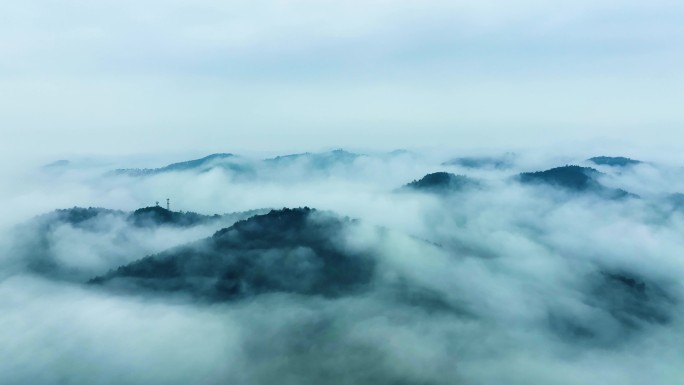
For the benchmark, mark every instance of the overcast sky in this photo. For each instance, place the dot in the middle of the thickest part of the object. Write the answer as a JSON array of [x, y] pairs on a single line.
[[129, 77]]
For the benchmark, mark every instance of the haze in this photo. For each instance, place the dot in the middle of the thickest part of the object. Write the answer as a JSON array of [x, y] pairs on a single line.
[[123, 77], [361, 192]]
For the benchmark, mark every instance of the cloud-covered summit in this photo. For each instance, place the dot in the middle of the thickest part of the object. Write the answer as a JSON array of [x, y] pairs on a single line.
[[290, 250], [441, 182], [77, 243], [508, 279], [614, 161], [574, 179]]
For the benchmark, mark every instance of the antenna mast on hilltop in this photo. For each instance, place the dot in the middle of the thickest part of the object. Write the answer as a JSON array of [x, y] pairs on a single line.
[[168, 205]]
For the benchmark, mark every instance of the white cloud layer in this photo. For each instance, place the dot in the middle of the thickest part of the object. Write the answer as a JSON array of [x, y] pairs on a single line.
[[522, 283]]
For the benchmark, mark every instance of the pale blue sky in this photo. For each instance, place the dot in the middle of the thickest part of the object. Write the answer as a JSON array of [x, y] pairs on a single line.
[[118, 77]]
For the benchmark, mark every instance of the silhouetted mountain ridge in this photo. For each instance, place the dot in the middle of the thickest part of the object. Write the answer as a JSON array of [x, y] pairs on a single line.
[[574, 178], [222, 160], [80, 217], [156, 215], [441, 182], [288, 250], [39, 244], [614, 161], [497, 162], [570, 177], [245, 167]]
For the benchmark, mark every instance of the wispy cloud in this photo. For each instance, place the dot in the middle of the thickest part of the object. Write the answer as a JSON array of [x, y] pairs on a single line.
[[509, 282]]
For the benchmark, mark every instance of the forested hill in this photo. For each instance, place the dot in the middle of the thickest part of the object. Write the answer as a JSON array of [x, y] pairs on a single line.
[[289, 250]]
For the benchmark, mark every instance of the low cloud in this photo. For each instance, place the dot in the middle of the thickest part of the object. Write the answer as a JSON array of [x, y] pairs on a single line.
[[508, 283]]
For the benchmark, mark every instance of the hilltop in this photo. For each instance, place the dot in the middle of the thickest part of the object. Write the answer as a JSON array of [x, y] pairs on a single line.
[[288, 250]]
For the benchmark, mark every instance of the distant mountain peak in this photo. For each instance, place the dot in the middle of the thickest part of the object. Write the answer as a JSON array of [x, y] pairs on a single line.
[[57, 164], [614, 161], [441, 182], [574, 178], [571, 177], [225, 160], [190, 164], [504, 161]]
